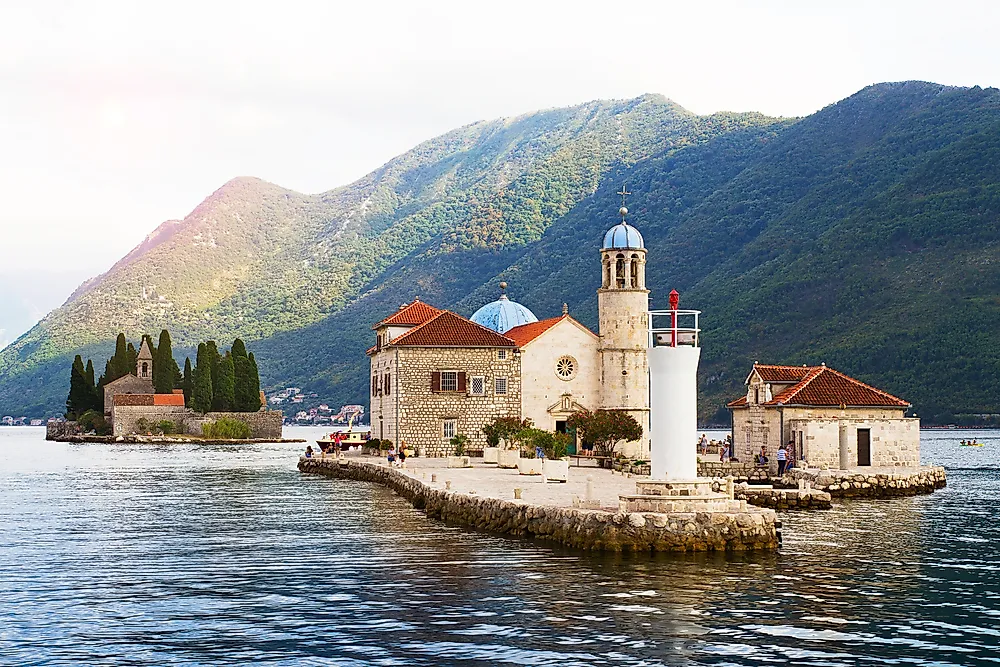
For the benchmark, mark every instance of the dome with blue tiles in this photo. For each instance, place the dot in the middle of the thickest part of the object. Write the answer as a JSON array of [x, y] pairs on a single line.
[[623, 236], [503, 314]]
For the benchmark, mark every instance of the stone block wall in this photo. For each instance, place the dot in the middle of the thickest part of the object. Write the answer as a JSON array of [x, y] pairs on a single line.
[[740, 472], [265, 425], [124, 417], [60, 430], [422, 412]]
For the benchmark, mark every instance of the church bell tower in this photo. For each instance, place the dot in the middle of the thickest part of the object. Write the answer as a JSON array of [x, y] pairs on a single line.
[[623, 305]]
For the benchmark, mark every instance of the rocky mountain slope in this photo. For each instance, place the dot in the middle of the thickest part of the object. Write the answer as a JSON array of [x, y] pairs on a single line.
[[864, 236]]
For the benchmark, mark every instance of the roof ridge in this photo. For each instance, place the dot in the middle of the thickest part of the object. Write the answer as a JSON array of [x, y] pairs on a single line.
[[416, 328], [814, 372], [399, 311]]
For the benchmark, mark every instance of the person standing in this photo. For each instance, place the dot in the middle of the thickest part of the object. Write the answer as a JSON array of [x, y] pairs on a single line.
[[782, 459], [703, 443]]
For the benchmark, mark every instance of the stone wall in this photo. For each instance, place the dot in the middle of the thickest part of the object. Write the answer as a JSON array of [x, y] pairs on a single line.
[[739, 471], [580, 528], [124, 417], [264, 425], [876, 483], [60, 430], [422, 412]]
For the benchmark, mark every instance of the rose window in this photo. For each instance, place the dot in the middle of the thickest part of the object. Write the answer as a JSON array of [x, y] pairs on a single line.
[[566, 368]]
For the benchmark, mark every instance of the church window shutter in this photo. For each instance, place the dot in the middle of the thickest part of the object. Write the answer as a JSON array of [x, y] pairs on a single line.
[[461, 381], [436, 381]]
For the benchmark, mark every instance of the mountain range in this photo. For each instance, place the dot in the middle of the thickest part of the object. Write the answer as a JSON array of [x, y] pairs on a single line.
[[864, 236]]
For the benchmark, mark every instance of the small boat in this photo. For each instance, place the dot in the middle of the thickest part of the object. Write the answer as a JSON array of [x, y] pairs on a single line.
[[970, 443], [346, 439]]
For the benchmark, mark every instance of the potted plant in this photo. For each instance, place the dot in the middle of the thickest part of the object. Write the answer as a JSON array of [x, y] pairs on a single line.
[[506, 431], [491, 452], [459, 459], [555, 465]]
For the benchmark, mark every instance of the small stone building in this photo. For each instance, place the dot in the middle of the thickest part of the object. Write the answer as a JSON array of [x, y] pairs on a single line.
[[824, 417], [139, 383]]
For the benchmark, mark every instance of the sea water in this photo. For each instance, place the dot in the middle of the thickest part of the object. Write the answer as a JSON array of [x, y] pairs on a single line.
[[192, 554]]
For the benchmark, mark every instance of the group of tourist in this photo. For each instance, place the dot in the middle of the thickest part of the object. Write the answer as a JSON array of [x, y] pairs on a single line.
[[785, 455], [396, 459]]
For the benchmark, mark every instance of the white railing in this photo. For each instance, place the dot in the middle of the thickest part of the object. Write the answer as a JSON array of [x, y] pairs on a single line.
[[681, 328]]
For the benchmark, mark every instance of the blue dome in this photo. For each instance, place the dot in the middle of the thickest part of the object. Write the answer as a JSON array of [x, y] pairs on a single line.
[[503, 315], [622, 235]]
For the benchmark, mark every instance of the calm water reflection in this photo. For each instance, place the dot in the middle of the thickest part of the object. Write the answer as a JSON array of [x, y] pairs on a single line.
[[128, 555]]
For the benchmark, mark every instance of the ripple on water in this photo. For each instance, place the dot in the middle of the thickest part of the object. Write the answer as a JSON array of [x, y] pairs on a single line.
[[204, 555]]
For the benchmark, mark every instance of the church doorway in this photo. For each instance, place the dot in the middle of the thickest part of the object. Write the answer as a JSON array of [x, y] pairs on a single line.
[[560, 426]]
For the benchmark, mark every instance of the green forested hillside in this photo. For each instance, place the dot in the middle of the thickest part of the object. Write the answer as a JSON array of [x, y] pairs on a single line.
[[864, 236]]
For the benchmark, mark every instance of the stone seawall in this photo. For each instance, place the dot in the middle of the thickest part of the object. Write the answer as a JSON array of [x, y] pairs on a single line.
[[739, 471], [874, 483], [573, 527]]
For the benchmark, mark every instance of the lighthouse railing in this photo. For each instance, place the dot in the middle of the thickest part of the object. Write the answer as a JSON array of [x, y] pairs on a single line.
[[672, 328]]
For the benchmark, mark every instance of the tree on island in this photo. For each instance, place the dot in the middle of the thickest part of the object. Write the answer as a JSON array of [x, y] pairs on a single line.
[[201, 391], [81, 396], [214, 360], [247, 382], [506, 430], [187, 382], [96, 398], [602, 430], [224, 396], [165, 370]]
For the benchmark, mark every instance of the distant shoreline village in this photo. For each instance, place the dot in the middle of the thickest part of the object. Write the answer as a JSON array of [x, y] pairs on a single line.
[[543, 428]]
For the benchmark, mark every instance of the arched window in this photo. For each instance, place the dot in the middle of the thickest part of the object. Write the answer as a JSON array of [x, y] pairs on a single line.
[[606, 273], [635, 272], [145, 369], [620, 271]]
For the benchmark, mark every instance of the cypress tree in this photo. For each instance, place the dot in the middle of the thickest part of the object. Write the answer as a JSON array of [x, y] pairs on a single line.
[[201, 391], [131, 359], [96, 402], [118, 365], [243, 393], [224, 398], [165, 369], [79, 398], [187, 382], [255, 382], [215, 364]]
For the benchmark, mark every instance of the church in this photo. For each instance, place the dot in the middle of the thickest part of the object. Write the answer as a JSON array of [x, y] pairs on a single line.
[[436, 374]]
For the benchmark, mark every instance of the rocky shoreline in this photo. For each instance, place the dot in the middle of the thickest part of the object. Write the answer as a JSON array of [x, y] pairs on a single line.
[[167, 440], [592, 529], [875, 483]]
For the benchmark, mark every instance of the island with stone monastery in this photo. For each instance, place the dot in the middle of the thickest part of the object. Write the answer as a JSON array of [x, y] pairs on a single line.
[[496, 417]]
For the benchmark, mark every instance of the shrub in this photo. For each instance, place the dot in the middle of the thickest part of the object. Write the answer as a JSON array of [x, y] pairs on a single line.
[[227, 428], [143, 425], [92, 420], [166, 427], [458, 442]]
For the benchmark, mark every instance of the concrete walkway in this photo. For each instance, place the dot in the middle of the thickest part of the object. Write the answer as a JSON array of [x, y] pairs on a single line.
[[489, 481]]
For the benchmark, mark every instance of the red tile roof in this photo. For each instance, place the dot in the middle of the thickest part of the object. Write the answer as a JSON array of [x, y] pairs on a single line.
[[446, 329], [169, 399], [525, 333], [821, 386], [409, 315], [772, 373]]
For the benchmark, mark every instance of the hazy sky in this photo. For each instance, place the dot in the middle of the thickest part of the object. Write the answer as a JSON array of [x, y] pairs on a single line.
[[115, 116]]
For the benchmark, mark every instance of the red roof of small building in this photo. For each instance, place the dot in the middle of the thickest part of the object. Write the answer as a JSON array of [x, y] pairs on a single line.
[[773, 373], [821, 386], [169, 399], [409, 315], [446, 329]]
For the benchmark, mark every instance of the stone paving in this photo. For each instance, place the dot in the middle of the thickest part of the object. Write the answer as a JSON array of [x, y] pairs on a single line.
[[489, 481]]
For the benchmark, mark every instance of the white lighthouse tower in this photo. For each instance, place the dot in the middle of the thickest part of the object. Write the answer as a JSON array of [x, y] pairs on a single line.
[[674, 353]]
